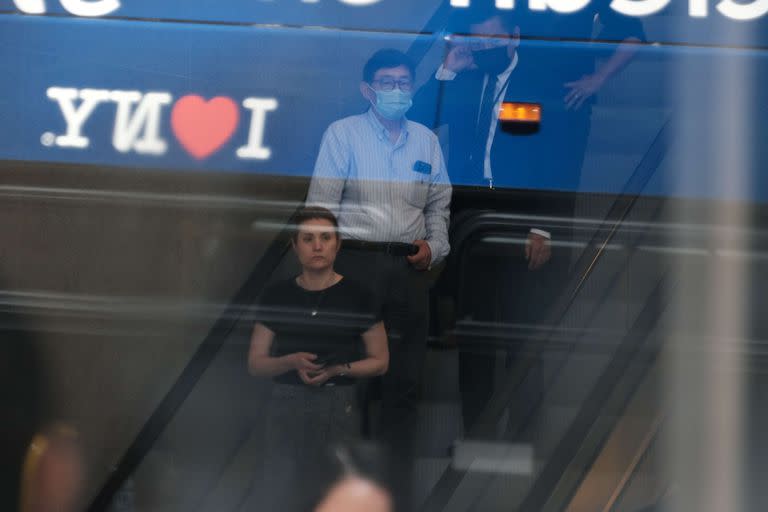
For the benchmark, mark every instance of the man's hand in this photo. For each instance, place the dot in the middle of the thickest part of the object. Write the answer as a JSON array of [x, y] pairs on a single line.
[[581, 90], [538, 250], [459, 58], [423, 258]]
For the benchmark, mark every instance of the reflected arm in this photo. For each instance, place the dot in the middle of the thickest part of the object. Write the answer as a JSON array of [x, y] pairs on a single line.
[[377, 356], [437, 209], [260, 363]]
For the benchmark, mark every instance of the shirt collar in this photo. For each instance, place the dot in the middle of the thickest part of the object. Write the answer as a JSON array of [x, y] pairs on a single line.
[[504, 75], [381, 132]]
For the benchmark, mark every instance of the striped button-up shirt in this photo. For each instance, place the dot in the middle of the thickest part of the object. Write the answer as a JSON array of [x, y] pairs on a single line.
[[380, 191]]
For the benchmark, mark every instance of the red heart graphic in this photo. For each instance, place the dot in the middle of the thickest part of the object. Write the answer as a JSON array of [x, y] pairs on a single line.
[[202, 127]]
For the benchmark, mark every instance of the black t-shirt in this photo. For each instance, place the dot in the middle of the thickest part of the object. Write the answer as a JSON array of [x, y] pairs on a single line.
[[328, 323]]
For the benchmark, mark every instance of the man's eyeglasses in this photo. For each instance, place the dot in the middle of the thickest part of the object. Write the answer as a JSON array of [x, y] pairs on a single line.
[[388, 84]]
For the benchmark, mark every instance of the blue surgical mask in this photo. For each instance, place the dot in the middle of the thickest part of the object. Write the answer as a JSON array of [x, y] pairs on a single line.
[[392, 104]]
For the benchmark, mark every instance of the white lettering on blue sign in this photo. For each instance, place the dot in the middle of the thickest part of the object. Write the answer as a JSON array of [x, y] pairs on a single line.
[[743, 12], [75, 117], [559, 6], [640, 8], [696, 8], [30, 6], [144, 121], [89, 8], [138, 116], [360, 3], [255, 148]]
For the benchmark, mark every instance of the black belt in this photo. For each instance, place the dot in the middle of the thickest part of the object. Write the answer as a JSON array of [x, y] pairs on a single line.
[[392, 248]]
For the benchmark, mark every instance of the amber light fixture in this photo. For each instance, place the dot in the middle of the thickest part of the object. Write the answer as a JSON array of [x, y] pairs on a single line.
[[524, 112], [520, 118]]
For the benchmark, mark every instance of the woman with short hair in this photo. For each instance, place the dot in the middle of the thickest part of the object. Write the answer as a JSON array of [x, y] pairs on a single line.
[[316, 335]]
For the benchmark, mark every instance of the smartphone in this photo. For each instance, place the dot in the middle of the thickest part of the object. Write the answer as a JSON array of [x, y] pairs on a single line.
[[326, 360]]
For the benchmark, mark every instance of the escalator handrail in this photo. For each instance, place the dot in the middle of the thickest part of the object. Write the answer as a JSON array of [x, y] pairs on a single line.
[[193, 371], [604, 396]]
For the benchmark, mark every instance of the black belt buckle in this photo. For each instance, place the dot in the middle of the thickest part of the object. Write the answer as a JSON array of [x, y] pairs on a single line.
[[400, 249]]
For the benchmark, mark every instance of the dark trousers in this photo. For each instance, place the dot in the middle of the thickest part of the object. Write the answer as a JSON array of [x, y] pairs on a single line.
[[528, 295], [305, 425], [403, 293]]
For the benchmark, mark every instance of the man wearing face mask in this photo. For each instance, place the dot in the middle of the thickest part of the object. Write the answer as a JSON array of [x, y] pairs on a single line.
[[472, 83], [384, 177], [480, 72]]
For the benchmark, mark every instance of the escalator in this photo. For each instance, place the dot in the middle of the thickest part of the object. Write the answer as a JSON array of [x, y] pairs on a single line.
[[205, 458], [597, 331], [626, 474], [585, 407], [569, 390]]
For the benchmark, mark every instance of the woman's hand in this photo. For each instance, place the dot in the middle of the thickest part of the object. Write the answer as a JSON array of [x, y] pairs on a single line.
[[303, 361], [316, 378]]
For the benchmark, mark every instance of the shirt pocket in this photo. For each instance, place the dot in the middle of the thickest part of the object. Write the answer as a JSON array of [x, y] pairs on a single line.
[[417, 190]]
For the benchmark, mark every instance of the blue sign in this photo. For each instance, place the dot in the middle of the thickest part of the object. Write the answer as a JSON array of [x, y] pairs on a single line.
[[257, 99], [192, 96], [397, 15], [709, 22]]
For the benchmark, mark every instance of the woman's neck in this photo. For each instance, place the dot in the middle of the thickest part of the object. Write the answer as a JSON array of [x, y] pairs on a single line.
[[319, 280]]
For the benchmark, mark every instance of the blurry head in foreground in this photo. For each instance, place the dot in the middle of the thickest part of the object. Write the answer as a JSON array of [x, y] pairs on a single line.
[[41, 466], [356, 494], [353, 482]]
